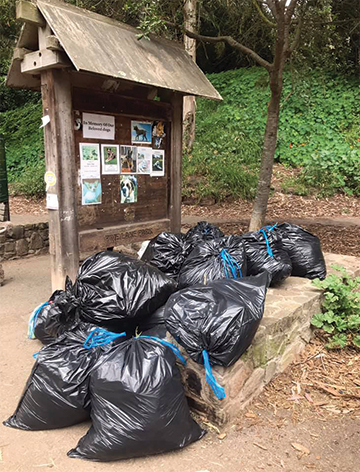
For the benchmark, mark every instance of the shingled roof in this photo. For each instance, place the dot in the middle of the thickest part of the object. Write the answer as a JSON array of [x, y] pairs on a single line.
[[100, 45]]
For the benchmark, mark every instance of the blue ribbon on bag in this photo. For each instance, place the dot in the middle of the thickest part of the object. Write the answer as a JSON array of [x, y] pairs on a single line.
[[33, 318], [262, 231], [229, 261], [100, 337], [215, 386], [174, 349]]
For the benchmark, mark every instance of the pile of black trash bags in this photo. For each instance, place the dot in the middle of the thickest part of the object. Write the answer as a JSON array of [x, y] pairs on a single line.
[[107, 355]]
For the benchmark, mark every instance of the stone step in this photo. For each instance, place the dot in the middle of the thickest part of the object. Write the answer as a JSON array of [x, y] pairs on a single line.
[[282, 335]]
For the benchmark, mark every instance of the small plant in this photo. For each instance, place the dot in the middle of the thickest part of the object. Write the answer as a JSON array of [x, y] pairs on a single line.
[[340, 317]]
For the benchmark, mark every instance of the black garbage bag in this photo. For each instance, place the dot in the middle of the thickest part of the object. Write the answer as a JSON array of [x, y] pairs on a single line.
[[212, 260], [56, 394], [114, 290], [154, 325], [304, 250], [216, 323], [203, 231], [167, 252], [138, 405], [54, 317], [265, 251]]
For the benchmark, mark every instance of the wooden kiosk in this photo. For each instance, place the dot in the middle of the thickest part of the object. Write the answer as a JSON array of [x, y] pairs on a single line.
[[86, 63]]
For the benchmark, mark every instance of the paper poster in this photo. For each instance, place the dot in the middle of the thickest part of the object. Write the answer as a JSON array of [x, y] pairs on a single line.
[[128, 188], [110, 159], [52, 202], [90, 160], [128, 159], [141, 132], [91, 191], [157, 163], [158, 132], [98, 126], [144, 160]]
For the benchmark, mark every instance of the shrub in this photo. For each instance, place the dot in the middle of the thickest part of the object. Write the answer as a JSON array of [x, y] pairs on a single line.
[[340, 316]]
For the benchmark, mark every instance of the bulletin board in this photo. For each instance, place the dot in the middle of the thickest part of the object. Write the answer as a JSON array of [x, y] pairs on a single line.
[[111, 220]]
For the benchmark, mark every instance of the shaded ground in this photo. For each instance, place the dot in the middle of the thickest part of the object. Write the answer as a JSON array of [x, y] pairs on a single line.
[[276, 433]]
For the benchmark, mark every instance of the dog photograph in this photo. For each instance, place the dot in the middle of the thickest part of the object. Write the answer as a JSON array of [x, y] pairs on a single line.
[[141, 132], [128, 188], [90, 160], [91, 191], [158, 163], [110, 159], [144, 160], [128, 159]]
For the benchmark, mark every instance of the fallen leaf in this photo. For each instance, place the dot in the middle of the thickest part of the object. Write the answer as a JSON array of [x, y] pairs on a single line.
[[260, 446], [222, 436], [308, 398], [299, 447], [250, 415]]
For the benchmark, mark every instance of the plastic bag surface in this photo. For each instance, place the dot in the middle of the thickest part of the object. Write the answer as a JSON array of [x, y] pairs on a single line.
[[264, 251], [220, 318], [56, 394], [114, 289], [56, 317], [304, 250], [212, 260], [138, 405], [203, 231], [167, 252]]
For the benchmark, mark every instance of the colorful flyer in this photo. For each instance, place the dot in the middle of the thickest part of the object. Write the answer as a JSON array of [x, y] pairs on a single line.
[[141, 132], [157, 163], [158, 133], [144, 160], [128, 159], [98, 126], [110, 159], [91, 191], [128, 188], [90, 160]]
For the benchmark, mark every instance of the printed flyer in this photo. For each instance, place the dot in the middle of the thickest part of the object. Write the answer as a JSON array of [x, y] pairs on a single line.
[[110, 159], [157, 163], [141, 132], [90, 160], [98, 126], [144, 160], [128, 188], [128, 159], [91, 191]]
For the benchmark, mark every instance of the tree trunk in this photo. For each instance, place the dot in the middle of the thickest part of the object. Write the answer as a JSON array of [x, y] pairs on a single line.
[[267, 162], [189, 107]]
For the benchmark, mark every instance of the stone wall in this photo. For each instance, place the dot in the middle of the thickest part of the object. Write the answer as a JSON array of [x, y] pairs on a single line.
[[17, 241]]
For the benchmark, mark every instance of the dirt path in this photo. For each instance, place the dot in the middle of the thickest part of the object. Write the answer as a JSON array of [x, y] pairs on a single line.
[[332, 442]]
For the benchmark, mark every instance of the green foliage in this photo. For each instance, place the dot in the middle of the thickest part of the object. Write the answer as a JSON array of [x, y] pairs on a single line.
[[340, 316], [24, 148], [318, 131]]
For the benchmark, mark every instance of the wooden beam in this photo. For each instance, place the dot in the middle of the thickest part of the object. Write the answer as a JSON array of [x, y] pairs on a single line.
[[19, 53], [28, 12], [60, 159], [53, 43], [38, 61], [175, 164]]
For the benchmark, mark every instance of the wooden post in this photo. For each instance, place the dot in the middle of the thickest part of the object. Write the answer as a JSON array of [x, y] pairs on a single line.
[[176, 160], [60, 159]]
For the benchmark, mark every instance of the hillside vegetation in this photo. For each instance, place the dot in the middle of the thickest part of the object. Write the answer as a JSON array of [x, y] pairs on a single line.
[[319, 132]]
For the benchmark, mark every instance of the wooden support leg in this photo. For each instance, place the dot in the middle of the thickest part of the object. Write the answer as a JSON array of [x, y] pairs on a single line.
[[60, 159], [176, 159]]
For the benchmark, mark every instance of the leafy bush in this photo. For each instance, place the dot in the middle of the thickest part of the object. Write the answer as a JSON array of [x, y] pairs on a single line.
[[24, 144], [340, 317], [318, 131]]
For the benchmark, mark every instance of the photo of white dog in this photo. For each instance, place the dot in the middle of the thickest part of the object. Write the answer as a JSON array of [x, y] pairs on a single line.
[[128, 189]]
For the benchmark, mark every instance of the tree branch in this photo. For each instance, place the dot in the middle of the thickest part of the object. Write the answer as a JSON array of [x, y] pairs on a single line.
[[290, 10], [262, 14], [272, 6], [231, 42]]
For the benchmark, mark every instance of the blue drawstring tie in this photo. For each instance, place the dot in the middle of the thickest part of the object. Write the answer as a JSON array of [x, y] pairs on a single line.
[[216, 388], [174, 349], [229, 260], [100, 337], [32, 321], [268, 247]]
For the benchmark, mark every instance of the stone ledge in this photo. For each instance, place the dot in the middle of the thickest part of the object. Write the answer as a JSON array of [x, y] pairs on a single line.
[[18, 241], [283, 334]]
